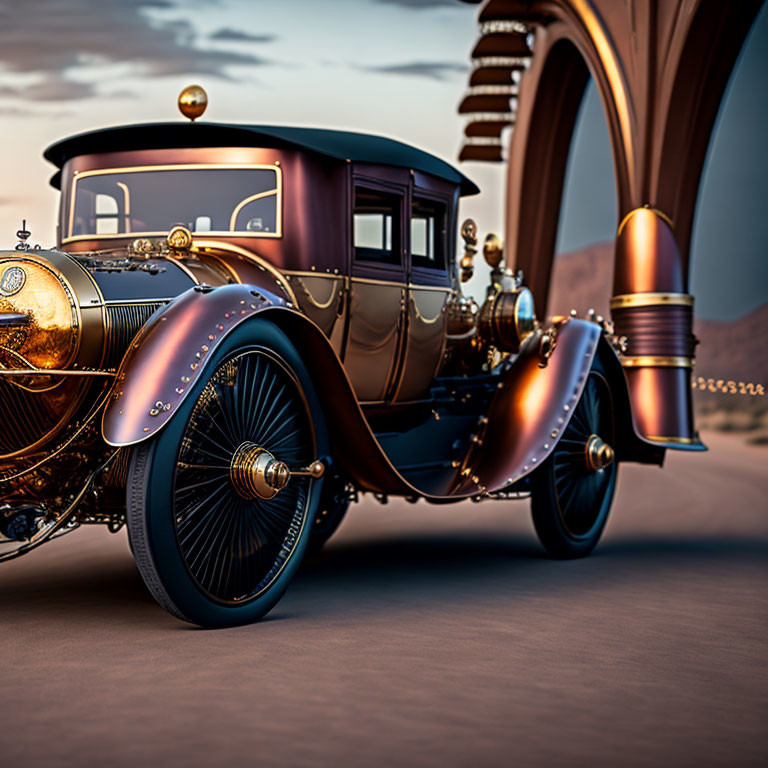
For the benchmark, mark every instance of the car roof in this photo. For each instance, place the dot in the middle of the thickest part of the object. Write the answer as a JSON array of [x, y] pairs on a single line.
[[340, 145]]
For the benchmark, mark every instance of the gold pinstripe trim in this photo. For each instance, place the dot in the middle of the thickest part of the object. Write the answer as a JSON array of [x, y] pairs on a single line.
[[659, 213]]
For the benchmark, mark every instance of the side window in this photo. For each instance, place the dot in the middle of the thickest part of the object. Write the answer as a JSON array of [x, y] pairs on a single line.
[[428, 234], [376, 227]]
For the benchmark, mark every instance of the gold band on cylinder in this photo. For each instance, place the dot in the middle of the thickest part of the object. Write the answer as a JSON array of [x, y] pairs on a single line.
[[627, 300], [656, 361]]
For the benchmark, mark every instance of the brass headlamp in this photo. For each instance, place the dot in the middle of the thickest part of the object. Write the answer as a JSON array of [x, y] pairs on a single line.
[[508, 316]]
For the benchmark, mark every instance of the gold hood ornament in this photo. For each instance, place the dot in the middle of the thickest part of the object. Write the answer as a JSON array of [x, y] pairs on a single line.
[[193, 101]]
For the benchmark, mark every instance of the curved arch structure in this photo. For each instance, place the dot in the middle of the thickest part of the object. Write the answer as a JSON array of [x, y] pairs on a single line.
[[661, 67]]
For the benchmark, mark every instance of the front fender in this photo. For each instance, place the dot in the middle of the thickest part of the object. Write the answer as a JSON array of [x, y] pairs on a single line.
[[169, 354], [530, 410]]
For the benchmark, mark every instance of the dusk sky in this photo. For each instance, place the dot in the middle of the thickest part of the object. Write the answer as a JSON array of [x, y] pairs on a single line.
[[394, 67]]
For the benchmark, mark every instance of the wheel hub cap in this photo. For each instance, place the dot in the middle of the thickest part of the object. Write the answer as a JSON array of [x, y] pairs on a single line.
[[598, 453], [256, 473]]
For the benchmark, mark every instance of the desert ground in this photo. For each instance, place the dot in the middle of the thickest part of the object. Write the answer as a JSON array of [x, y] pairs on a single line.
[[421, 636]]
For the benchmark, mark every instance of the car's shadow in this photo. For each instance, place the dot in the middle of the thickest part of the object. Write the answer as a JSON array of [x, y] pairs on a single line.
[[434, 567]]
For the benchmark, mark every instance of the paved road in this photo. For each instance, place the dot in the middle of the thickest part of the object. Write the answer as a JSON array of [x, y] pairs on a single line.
[[421, 636]]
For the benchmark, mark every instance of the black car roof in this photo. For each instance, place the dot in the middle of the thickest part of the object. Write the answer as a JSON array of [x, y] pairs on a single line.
[[341, 145]]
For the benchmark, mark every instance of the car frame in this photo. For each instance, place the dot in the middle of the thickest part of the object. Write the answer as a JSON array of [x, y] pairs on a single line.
[[228, 386]]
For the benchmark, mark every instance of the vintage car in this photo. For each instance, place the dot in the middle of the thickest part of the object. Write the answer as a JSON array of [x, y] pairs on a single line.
[[242, 327]]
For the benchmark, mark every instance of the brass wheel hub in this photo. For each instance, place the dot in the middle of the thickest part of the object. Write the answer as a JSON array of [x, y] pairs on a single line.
[[598, 453], [257, 474]]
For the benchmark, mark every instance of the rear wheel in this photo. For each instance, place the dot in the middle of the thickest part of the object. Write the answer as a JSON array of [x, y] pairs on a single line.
[[217, 526], [573, 491]]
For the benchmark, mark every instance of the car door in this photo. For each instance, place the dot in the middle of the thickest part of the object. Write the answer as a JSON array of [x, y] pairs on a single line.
[[378, 290], [429, 290]]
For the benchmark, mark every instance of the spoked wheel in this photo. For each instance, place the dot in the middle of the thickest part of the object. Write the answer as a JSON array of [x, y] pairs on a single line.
[[573, 491], [221, 502]]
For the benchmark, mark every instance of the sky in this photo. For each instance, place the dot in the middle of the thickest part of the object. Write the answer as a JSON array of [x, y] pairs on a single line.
[[393, 67]]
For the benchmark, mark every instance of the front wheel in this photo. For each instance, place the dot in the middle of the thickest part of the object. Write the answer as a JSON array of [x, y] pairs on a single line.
[[572, 492], [217, 523]]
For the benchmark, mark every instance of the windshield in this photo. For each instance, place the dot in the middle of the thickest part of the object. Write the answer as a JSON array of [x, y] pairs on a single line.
[[150, 200]]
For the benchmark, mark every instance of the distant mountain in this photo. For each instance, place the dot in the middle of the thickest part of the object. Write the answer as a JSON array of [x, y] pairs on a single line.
[[735, 350], [582, 280]]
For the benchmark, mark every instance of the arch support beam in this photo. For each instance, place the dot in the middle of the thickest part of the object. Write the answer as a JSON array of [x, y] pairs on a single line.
[[661, 67]]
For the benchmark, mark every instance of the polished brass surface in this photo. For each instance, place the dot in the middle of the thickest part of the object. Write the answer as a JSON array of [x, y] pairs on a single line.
[[179, 238], [493, 250], [462, 316], [70, 238], [64, 338], [469, 235], [507, 318], [656, 361], [51, 335], [651, 299], [315, 470], [193, 101], [257, 474], [598, 453], [142, 245]]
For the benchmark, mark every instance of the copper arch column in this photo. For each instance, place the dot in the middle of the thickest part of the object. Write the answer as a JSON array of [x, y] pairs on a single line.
[[661, 67]]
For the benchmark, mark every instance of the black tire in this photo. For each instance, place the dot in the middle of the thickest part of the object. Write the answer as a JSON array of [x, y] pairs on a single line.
[[335, 499], [570, 500], [207, 554]]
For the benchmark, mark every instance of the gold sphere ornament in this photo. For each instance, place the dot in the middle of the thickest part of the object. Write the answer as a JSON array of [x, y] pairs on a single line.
[[493, 251], [192, 102], [179, 238]]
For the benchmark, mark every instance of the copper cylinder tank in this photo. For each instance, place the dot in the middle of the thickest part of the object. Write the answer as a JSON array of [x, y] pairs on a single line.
[[652, 310]]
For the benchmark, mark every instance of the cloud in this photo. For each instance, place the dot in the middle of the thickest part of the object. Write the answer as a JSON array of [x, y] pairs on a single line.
[[419, 5], [434, 70], [237, 36], [51, 40]]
